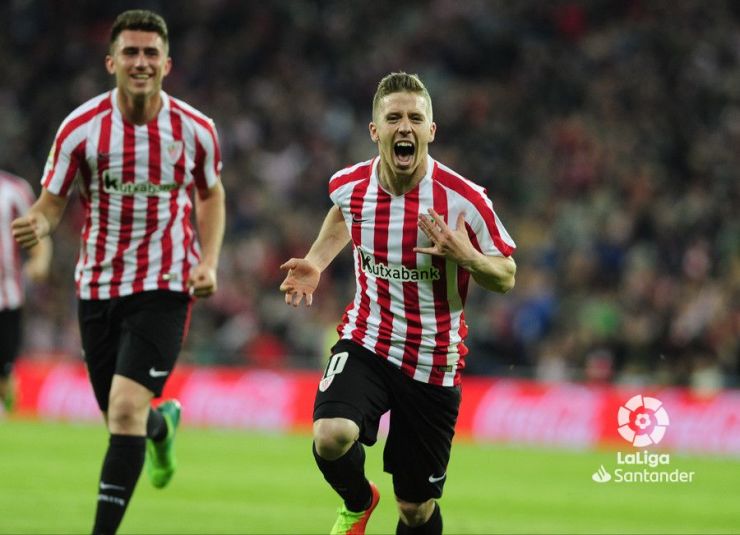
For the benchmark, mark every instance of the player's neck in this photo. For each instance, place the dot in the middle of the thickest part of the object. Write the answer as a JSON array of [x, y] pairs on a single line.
[[399, 184], [139, 109]]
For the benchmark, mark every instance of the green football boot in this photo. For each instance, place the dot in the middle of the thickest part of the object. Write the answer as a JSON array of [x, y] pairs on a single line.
[[160, 456], [9, 401], [351, 523], [10, 397]]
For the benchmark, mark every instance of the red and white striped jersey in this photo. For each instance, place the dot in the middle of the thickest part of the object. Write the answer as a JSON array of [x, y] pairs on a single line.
[[136, 184], [408, 307], [16, 197]]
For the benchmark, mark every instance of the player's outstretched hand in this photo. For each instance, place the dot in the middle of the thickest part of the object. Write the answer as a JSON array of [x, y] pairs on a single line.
[[29, 229], [301, 281], [202, 281]]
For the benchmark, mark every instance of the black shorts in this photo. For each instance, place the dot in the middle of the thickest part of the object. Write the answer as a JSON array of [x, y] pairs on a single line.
[[10, 339], [138, 336], [360, 386]]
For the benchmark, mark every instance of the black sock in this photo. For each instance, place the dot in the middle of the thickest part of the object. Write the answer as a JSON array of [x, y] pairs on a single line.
[[156, 427], [121, 469], [433, 526], [346, 476]]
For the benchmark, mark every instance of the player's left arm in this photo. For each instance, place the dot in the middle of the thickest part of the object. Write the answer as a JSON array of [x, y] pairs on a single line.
[[210, 218], [495, 273]]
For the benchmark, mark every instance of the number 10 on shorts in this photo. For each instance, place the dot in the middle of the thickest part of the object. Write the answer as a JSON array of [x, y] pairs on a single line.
[[334, 366]]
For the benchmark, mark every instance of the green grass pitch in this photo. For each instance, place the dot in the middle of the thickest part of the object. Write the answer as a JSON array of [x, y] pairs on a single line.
[[231, 482]]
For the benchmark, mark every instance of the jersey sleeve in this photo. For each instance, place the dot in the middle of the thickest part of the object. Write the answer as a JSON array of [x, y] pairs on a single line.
[[335, 192], [65, 156], [339, 194], [342, 182], [490, 236], [208, 162]]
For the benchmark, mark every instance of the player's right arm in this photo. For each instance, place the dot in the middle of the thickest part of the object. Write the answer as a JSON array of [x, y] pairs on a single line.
[[304, 273], [37, 266], [40, 220], [60, 174]]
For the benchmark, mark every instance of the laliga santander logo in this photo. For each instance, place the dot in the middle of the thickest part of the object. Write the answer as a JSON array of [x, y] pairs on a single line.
[[642, 421]]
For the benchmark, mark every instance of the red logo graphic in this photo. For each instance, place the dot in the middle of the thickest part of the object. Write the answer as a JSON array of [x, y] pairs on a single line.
[[642, 421]]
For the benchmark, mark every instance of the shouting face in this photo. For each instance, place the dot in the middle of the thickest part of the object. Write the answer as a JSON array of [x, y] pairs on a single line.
[[403, 128]]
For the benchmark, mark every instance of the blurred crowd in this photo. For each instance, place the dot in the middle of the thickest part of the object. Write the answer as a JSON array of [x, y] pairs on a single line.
[[606, 133]]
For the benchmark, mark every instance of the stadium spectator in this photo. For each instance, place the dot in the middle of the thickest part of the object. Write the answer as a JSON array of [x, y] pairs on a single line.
[[16, 198], [419, 232], [139, 153]]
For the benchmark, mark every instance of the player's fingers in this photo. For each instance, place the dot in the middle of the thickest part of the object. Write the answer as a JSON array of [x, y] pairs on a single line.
[[434, 221], [427, 250], [27, 241], [460, 221], [22, 231], [19, 228], [309, 299], [202, 292], [196, 285], [438, 220], [290, 264], [21, 222], [432, 232], [426, 225]]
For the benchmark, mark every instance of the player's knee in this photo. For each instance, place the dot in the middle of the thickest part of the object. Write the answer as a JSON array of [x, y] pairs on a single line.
[[126, 416], [334, 436], [415, 514]]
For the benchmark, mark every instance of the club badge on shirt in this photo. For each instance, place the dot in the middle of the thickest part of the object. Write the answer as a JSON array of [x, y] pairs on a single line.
[[174, 151]]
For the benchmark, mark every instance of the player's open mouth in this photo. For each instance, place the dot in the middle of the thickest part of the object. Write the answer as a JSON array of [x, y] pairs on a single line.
[[140, 77], [404, 151]]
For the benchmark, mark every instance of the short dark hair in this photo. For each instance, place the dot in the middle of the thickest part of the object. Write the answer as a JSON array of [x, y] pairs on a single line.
[[398, 82], [139, 19]]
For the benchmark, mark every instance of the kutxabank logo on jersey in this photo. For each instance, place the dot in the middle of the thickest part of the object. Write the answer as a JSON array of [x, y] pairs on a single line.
[[396, 272], [113, 185], [642, 421]]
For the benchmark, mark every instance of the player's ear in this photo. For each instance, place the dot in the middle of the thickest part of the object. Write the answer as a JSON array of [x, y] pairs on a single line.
[[167, 66], [432, 131], [373, 132], [109, 65]]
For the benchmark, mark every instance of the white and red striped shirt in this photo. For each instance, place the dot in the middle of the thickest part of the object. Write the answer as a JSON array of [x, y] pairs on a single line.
[[408, 307], [136, 184], [16, 197]]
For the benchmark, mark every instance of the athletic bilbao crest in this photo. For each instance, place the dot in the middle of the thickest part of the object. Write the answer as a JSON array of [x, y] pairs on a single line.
[[174, 151], [325, 383]]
